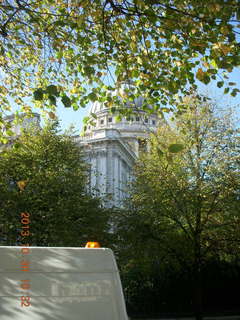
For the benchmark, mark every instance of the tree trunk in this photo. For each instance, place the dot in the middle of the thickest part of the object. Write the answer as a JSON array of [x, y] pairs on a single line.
[[198, 307]]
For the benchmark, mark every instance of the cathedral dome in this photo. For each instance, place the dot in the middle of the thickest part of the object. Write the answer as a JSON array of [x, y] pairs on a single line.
[[137, 123], [123, 89]]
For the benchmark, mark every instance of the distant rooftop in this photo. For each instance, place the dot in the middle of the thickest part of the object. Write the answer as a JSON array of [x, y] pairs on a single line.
[[22, 115]]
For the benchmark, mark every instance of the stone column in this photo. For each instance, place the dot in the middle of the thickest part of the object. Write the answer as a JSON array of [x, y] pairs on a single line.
[[94, 171], [116, 178], [102, 170]]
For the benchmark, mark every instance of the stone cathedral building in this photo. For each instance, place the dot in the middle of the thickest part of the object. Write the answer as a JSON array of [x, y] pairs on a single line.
[[112, 147]]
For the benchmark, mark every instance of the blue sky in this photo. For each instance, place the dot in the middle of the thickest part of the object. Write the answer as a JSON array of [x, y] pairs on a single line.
[[68, 116]]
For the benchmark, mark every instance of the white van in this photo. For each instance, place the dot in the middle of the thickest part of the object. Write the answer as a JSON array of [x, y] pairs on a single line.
[[52, 283]]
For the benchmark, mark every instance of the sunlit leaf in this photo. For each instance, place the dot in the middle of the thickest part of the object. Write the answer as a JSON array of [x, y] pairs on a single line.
[[22, 184]]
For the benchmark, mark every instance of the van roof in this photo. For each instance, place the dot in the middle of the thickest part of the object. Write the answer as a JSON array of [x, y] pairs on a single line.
[[58, 259]]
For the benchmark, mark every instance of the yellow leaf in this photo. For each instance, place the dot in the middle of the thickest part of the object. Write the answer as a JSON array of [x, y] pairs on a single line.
[[148, 43], [218, 7], [206, 64], [22, 184], [199, 44], [200, 74], [225, 49], [133, 45], [139, 60], [52, 115], [214, 7], [134, 37], [110, 103], [178, 63], [224, 30]]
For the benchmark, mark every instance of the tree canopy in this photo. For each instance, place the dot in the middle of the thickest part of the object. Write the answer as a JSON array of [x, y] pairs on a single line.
[[78, 51], [43, 174], [185, 198]]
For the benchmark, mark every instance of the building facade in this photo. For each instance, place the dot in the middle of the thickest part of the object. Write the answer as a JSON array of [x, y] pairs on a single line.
[[23, 121], [111, 149]]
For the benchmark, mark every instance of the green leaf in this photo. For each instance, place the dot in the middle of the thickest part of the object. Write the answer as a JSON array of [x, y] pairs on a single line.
[[60, 23], [135, 73], [17, 145], [118, 118], [33, 20], [66, 101], [148, 43], [234, 92], [9, 132], [52, 100], [89, 71], [4, 140], [206, 79], [52, 90], [214, 64], [59, 54], [226, 90], [38, 94], [175, 148], [92, 96], [93, 115], [86, 119], [75, 106], [220, 84], [2, 51], [159, 152]]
